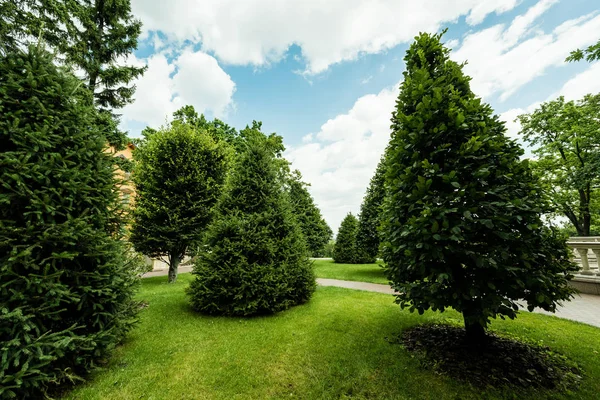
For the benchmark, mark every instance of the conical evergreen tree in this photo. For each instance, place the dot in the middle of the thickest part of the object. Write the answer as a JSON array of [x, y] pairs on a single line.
[[368, 235], [67, 282], [462, 211], [344, 250], [314, 227], [257, 261]]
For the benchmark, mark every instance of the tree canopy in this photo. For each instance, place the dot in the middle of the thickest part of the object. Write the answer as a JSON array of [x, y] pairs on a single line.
[[462, 214], [93, 36], [179, 174], [565, 137]]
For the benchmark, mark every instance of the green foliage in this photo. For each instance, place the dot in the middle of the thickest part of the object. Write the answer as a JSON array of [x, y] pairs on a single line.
[[216, 128], [368, 236], [179, 174], [328, 249], [344, 250], [257, 261], [462, 223], [591, 53], [67, 280], [89, 35], [565, 137], [314, 228]]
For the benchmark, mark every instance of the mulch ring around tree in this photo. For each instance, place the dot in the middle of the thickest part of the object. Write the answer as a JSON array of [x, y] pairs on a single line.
[[499, 361]]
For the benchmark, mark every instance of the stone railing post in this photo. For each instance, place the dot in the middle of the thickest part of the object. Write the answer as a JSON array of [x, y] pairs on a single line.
[[583, 253]]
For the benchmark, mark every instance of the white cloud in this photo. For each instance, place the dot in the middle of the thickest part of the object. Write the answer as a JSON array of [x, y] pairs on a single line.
[[581, 84], [340, 165], [192, 78], [366, 80], [200, 81], [502, 59], [574, 89], [259, 32], [483, 8]]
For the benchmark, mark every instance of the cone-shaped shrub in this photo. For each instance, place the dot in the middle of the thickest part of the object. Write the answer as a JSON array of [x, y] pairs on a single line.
[[368, 235], [462, 222], [314, 227], [344, 250], [66, 282], [256, 260]]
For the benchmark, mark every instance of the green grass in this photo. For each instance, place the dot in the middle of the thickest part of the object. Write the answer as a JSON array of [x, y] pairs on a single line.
[[334, 347], [349, 272]]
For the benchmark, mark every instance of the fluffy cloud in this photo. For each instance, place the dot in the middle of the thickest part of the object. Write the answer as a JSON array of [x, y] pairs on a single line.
[[258, 32], [501, 59], [342, 161], [191, 78]]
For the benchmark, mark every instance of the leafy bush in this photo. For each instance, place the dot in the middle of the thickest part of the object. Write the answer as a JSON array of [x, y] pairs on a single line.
[[257, 261], [462, 221], [344, 251], [67, 282]]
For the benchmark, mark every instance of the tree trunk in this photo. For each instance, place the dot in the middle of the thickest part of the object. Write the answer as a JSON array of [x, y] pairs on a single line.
[[173, 264], [475, 333]]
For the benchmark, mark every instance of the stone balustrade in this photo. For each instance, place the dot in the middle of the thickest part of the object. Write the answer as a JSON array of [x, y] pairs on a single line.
[[586, 254]]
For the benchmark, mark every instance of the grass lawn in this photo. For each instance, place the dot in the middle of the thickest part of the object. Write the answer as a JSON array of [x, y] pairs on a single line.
[[349, 272], [334, 347]]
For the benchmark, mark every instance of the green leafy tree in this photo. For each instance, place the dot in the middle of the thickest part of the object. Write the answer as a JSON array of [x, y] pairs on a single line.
[[315, 229], [590, 53], [344, 250], [216, 128], [179, 174], [258, 262], [462, 213], [565, 136], [368, 236], [67, 280]]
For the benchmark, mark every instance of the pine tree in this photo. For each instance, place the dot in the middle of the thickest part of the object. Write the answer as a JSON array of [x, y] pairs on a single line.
[[179, 175], [66, 297], [367, 237], [462, 222], [258, 261], [344, 250], [95, 36], [314, 228]]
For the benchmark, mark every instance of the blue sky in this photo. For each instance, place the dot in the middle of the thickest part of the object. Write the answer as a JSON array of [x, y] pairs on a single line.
[[324, 75]]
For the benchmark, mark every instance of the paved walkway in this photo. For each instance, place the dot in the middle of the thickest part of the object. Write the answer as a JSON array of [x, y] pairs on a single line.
[[583, 308]]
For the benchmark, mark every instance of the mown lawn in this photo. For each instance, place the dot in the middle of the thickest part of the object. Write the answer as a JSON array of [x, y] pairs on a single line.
[[334, 347], [349, 272]]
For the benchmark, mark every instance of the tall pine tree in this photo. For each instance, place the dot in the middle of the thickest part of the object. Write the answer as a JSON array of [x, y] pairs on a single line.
[[258, 262], [462, 219], [95, 36], [67, 280]]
